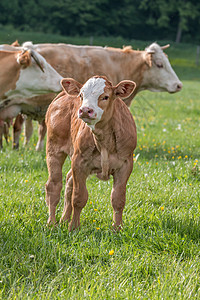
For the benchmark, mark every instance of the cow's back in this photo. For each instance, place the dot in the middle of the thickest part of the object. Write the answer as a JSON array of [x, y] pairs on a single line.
[[82, 62]]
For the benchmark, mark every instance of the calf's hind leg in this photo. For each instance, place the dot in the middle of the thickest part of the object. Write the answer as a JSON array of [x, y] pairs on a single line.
[[17, 129], [28, 130]]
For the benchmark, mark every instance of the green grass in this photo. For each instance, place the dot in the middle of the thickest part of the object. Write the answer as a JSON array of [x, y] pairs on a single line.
[[156, 256]]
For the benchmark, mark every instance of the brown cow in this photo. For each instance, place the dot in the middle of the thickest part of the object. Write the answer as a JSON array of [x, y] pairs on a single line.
[[149, 69], [92, 125]]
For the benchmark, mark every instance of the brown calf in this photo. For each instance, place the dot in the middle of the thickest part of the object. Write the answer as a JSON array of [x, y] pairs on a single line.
[[92, 125]]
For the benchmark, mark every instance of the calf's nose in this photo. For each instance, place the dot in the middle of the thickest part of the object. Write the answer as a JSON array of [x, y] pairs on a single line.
[[86, 112]]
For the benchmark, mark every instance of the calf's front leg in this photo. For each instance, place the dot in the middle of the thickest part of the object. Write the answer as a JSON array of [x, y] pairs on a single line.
[[79, 195], [54, 183], [68, 198]]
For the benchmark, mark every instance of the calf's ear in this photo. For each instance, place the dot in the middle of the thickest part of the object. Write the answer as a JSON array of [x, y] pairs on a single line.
[[71, 86], [124, 89]]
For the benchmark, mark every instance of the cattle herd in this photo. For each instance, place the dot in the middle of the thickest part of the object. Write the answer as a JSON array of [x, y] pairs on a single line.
[[89, 119]]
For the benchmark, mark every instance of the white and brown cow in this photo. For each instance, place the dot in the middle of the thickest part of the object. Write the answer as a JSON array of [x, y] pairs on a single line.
[[92, 125], [24, 74], [149, 69]]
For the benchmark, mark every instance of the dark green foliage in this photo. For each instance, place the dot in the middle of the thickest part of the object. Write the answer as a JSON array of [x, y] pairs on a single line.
[[144, 20]]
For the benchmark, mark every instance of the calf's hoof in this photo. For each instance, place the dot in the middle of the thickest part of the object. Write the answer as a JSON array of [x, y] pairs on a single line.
[[51, 222], [116, 227]]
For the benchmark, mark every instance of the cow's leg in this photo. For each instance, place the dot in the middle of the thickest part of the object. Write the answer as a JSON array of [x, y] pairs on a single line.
[[6, 131], [54, 184], [17, 129], [68, 198], [28, 130], [42, 129], [118, 195], [79, 196], [1, 133]]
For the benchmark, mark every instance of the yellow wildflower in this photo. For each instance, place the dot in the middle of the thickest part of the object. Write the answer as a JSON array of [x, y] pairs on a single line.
[[111, 252]]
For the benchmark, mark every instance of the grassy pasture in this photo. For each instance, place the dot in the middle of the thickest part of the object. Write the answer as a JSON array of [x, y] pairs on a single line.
[[156, 256]]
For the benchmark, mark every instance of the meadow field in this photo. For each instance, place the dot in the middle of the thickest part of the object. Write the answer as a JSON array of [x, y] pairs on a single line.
[[156, 255]]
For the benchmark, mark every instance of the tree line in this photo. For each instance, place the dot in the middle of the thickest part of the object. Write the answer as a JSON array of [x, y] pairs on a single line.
[[176, 20]]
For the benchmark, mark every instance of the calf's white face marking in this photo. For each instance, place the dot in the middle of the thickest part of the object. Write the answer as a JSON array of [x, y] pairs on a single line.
[[91, 91]]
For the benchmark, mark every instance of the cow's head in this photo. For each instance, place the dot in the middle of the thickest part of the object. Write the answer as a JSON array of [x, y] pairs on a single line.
[[25, 74], [37, 76], [160, 77], [97, 96]]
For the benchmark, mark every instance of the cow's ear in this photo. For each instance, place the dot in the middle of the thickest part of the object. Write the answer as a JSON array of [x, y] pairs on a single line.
[[24, 59], [124, 89], [149, 58], [15, 44], [71, 86]]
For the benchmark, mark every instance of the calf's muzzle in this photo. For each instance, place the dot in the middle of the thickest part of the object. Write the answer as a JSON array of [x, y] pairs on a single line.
[[86, 112]]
